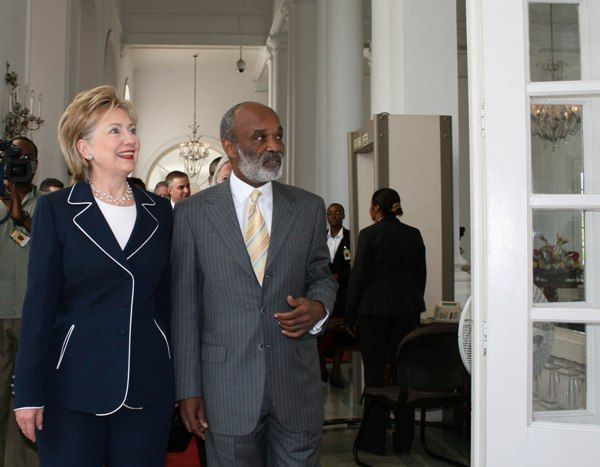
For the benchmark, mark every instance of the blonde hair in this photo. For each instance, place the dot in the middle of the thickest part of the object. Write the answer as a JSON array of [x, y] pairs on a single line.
[[79, 120]]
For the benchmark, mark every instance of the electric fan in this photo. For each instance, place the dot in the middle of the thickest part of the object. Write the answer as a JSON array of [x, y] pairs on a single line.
[[543, 334]]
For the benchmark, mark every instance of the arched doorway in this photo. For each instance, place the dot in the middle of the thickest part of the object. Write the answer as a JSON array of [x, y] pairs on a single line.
[[110, 65], [166, 159]]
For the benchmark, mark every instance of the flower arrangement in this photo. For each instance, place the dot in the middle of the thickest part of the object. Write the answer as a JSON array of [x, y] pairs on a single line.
[[555, 267]]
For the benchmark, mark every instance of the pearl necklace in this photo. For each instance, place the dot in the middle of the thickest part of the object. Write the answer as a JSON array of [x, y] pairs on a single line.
[[122, 200]]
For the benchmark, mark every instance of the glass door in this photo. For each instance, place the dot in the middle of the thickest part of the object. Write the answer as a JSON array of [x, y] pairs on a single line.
[[541, 126]]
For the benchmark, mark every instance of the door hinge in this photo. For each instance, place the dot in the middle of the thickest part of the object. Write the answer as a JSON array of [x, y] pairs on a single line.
[[484, 338], [482, 119]]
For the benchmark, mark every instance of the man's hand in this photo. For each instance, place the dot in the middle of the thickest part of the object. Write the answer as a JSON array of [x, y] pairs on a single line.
[[192, 414], [7, 199], [28, 420], [305, 314]]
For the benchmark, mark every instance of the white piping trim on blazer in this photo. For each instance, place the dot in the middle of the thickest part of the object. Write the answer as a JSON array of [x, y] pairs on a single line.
[[131, 408], [165, 338], [64, 346], [89, 203], [151, 203]]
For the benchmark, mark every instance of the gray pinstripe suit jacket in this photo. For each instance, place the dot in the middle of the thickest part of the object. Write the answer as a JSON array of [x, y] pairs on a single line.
[[227, 346]]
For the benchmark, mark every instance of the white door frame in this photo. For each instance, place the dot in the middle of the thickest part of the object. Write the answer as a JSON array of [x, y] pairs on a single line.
[[478, 245]]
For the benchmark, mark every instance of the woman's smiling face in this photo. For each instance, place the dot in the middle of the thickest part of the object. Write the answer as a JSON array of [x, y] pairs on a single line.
[[113, 144]]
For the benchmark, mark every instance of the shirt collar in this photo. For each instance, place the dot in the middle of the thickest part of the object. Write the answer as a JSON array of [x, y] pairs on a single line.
[[241, 191], [340, 234]]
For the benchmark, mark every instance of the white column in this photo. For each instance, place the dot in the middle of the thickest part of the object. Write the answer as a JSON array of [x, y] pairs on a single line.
[[277, 62], [277, 47], [414, 71], [381, 56], [322, 181], [344, 91], [302, 45]]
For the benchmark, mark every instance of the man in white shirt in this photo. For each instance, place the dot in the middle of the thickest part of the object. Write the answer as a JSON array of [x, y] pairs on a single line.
[[251, 290], [178, 185], [336, 339]]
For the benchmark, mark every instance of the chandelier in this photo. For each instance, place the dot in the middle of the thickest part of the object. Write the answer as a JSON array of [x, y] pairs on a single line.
[[194, 151], [554, 122], [21, 117]]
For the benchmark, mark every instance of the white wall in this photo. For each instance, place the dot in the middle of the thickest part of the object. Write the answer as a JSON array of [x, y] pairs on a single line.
[[163, 97], [14, 44], [49, 49]]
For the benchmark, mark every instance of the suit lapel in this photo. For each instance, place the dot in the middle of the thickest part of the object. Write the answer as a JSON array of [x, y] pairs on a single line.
[[284, 216], [89, 219], [224, 219], [146, 223]]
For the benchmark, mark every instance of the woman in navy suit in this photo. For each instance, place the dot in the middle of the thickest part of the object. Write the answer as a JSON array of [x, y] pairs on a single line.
[[94, 379]]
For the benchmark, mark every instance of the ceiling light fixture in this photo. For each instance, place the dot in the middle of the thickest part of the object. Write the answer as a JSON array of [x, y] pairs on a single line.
[[194, 151]]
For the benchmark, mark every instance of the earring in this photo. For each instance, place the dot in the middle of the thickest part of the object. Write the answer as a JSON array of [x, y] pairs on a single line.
[[90, 157]]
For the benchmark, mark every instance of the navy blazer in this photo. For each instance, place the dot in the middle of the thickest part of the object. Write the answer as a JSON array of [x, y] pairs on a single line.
[[96, 318]]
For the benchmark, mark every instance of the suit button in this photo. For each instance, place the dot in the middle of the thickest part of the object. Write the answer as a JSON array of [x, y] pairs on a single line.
[[261, 347], [267, 276]]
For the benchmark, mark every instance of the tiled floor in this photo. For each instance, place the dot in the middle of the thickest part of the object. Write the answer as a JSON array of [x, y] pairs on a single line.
[[336, 448]]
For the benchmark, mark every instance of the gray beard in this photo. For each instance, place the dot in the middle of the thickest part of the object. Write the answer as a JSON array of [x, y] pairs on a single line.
[[253, 167]]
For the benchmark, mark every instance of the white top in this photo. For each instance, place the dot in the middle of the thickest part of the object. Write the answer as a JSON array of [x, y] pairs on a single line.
[[241, 196], [121, 220], [334, 242]]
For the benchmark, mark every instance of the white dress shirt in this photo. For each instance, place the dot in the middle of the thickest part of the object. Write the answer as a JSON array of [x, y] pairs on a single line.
[[334, 242], [241, 199]]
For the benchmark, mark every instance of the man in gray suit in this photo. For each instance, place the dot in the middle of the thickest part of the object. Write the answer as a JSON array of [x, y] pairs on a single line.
[[251, 290]]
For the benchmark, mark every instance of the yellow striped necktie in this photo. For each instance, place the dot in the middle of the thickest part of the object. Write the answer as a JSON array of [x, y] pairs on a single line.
[[257, 237]]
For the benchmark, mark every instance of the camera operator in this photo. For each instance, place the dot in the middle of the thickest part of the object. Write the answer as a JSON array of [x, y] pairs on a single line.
[[16, 212]]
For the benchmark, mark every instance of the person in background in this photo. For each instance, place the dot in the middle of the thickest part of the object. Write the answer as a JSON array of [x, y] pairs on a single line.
[[137, 182], [335, 338], [51, 184], [212, 167], [162, 189], [178, 185], [222, 171], [17, 210], [94, 377], [385, 298]]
